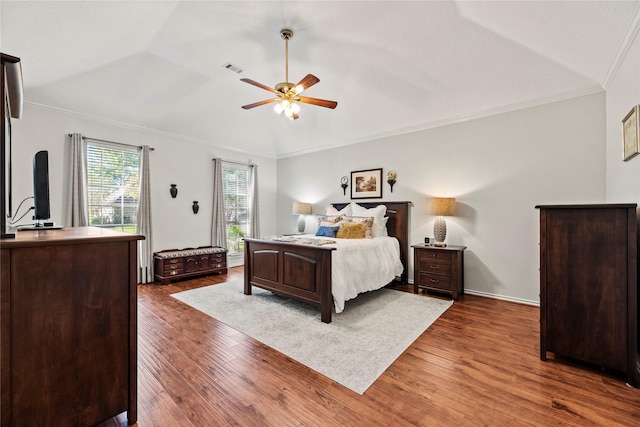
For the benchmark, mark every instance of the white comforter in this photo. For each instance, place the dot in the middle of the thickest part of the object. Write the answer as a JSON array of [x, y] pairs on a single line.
[[362, 265]]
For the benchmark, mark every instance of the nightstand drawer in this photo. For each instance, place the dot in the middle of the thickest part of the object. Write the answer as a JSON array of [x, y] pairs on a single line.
[[435, 281], [440, 256], [434, 266]]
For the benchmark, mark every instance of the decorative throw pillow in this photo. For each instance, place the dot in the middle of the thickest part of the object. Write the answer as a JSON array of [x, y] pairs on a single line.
[[367, 221], [329, 220], [332, 211], [326, 231], [379, 227], [351, 230]]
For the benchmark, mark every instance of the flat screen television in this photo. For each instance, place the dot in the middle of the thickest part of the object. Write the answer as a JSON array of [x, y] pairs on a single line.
[[11, 106]]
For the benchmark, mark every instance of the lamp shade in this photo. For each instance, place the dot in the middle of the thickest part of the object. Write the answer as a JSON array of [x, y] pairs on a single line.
[[442, 206], [301, 208]]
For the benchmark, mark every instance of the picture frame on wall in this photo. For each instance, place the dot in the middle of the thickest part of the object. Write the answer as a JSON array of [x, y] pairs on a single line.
[[366, 184], [631, 134]]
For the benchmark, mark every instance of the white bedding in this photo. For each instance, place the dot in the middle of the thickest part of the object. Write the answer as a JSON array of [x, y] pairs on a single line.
[[362, 265]]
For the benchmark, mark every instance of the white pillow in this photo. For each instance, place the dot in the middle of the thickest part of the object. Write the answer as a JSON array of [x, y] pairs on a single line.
[[332, 211], [379, 228]]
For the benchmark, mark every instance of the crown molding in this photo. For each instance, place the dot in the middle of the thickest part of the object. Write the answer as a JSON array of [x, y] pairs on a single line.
[[632, 33]]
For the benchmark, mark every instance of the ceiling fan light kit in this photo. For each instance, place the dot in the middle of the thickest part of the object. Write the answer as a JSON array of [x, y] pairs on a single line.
[[288, 94]]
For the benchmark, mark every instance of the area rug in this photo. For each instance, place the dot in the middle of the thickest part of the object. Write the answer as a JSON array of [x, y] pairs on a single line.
[[354, 349]]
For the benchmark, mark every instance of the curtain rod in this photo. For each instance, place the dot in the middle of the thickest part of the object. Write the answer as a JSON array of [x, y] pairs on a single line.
[[113, 142], [237, 163]]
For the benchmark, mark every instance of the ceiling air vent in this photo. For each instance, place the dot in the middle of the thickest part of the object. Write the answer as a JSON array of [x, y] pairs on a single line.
[[234, 68]]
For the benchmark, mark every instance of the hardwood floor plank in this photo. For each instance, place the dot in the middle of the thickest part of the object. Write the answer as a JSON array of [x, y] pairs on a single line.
[[478, 364]]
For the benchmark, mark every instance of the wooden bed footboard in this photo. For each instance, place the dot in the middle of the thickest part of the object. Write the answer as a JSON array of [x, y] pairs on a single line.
[[303, 272], [289, 269]]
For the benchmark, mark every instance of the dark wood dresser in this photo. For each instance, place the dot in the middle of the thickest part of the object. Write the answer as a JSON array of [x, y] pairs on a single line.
[[588, 285], [68, 334], [175, 264]]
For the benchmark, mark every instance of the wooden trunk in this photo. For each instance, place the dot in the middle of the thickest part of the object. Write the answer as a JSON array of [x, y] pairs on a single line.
[[176, 264]]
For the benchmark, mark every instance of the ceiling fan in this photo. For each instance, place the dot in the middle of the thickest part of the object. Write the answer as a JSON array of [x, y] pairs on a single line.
[[288, 93]]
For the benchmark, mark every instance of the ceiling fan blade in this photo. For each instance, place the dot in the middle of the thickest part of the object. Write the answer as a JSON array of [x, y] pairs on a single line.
[[306, 82], [260, 85], [319, 102], [259, 103]]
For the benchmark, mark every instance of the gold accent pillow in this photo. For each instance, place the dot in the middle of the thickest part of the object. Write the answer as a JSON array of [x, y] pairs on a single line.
[[351, 230], [368, 224]]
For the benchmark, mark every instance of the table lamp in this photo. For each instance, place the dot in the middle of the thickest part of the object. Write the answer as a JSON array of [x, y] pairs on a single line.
[[302, 209], [441, 207]]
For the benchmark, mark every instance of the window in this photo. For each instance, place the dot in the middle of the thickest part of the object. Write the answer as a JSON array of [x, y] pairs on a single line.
[[235, 180], [113, 184]]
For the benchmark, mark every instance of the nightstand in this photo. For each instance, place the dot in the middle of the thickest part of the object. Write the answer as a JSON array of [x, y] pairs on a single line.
[[439, 269]]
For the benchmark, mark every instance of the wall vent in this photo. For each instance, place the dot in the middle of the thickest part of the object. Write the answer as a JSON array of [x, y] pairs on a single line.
[[234, 68]]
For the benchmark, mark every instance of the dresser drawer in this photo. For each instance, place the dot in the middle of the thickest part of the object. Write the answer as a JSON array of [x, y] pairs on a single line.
[[434, 281], [172, 267]]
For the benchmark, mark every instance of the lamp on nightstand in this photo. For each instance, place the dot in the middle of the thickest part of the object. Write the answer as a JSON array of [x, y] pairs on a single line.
[[441, 207], [302, 209]]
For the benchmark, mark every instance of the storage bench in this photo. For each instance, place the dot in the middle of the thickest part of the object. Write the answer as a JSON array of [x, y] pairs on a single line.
[[175, 264]]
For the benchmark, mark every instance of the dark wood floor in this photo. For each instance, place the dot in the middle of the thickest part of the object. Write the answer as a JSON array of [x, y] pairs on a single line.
[[478, 364]]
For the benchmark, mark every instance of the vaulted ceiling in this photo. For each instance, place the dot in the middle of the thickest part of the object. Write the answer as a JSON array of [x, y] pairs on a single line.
[[393, 66]]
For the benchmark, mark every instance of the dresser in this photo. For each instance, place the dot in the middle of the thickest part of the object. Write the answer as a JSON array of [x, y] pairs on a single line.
[[439, 269], [68, 327], [175, 264], [588, 285]]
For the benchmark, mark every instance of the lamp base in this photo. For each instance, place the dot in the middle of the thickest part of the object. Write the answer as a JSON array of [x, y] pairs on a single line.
[[439, 232], [440, 244], [301, 224]]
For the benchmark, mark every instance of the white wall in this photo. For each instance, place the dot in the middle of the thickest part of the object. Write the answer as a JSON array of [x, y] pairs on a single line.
[[175, 160], [623, 92], [498, 169]]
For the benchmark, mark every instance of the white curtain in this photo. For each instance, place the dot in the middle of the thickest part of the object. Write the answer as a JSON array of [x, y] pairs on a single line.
[[218, 223], [145, 252], [77, 214], [254, 216]]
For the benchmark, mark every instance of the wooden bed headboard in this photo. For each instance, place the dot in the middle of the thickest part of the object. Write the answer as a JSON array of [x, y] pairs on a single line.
[[397, 226]]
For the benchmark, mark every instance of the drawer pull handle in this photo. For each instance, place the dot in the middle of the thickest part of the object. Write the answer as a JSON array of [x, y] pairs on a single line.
[[434, 267], [434, 281], [219, 265]]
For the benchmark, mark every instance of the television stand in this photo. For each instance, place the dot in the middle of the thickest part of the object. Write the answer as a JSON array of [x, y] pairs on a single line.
[[40, 227]]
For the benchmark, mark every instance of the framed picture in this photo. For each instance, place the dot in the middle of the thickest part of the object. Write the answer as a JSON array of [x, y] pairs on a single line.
[[631, 134], [366, 184]]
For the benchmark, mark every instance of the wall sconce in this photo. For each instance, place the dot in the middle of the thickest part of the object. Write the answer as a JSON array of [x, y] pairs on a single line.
[[173, 190], [344, 183], [196, 207], [441, 207], [391, 178], [302, 209]]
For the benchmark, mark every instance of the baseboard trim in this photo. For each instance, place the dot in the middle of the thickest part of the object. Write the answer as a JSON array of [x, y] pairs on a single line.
[[502, 297]]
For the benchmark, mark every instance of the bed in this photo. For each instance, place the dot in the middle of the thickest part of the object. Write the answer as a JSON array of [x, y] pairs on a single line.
[[304, 271]]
